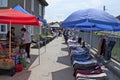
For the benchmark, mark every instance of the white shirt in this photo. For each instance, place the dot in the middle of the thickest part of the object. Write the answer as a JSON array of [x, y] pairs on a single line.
[[26, 37]]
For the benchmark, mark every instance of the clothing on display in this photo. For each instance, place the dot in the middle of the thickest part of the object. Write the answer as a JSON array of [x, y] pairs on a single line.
[[102, 47], [84, 64], [93, 61], [82, 57], [88, 72], [109, 48], [92, 76], [86, 67]]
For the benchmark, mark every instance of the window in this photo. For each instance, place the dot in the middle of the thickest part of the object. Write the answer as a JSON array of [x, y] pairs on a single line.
[[3, 28], [32, 5], [40, 10], [43, 11], [30, 30], [3, 3]]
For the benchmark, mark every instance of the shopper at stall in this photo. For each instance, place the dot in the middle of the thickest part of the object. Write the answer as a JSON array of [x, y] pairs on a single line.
[[12, 34], [26, 37]]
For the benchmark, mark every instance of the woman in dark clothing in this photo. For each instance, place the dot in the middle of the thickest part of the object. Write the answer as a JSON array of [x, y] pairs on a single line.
[[12, 34]]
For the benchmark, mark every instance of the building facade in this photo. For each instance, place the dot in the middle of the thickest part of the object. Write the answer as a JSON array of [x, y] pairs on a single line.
[[35, 7]]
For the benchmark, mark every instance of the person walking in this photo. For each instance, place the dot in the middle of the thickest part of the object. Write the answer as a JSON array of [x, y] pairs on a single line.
[[26, 37]]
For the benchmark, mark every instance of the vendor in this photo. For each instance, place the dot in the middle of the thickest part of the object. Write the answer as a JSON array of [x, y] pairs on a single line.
[[26, 37], [12, 34]]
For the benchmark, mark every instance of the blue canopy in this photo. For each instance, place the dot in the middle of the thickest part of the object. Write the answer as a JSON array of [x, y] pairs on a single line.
[[42, 20], [90, 29], [20, 9], [90, 17], [98, 27]]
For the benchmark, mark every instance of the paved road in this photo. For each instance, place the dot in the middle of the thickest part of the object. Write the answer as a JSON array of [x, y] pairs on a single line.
[[54, 64]]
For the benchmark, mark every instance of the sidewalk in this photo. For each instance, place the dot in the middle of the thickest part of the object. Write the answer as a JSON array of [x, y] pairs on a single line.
[[54, 64]]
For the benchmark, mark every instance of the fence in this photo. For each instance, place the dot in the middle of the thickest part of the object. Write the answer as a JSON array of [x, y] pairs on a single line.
[[95, 41]]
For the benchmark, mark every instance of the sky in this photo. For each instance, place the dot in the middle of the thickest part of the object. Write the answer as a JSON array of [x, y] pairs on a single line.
[[59, 10]]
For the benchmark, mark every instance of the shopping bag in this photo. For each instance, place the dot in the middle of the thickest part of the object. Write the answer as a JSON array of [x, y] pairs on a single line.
[[23, 61], [19, 67]]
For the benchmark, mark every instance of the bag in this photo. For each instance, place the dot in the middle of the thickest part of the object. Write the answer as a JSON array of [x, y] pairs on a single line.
[[19, 67], [16, 58], [23, 61]]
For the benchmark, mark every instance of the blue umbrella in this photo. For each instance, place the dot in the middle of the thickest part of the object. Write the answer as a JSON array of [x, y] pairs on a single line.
[[90, 17], [20, 9], [89, 29]]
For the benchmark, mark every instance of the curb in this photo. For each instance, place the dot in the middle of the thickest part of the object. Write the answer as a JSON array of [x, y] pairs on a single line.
[[113, 65]]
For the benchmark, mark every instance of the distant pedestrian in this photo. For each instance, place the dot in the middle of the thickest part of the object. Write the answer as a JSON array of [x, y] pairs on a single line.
[[57, 33]]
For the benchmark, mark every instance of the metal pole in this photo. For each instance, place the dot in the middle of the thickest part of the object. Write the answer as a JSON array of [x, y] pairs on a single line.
[[90, 39], [10, 40], [24, 8], [45, 37], [84, 36], [38, 46], [104, 8]]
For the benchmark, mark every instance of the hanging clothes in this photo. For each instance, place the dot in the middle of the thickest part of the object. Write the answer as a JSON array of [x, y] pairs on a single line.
[[102, 46], [110, 45]]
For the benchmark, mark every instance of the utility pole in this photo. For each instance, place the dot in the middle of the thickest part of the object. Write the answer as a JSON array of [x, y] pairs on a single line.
[[104, 8]]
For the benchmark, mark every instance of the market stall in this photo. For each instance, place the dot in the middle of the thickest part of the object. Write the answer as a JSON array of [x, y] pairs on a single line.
[[84, 64], [12, 57]]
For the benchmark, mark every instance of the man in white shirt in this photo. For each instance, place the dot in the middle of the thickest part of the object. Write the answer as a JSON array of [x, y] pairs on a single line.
[[26, 37]]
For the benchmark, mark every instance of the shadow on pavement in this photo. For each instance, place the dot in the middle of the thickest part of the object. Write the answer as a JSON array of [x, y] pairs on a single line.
[[32, 59], [64, 60], [64, 49], [64, 43], [23, 75], [64, 74]]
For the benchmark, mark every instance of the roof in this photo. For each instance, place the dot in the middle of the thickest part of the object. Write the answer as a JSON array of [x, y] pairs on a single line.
[[44, 2], [55, 25], [118, 17]]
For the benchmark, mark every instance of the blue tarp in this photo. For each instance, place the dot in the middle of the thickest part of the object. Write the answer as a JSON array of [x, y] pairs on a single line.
[[89, 29], [42, 20], [20, 9], [90, 17]]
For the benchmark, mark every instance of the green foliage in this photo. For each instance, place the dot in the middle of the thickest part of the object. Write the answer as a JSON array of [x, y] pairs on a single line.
[[48, 33], [41, 36], [116, 52], [98, 33]]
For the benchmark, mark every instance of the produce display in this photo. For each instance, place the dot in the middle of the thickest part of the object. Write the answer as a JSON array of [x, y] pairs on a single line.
[[11, 62]]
